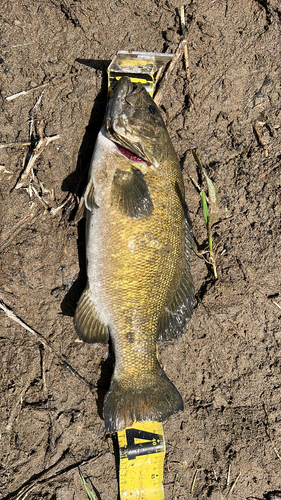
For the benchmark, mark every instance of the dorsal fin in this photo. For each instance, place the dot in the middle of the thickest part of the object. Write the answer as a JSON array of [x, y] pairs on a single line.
[[173, 319]]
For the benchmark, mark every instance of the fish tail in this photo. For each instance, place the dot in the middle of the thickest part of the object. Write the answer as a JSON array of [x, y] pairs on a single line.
[[155, 400]]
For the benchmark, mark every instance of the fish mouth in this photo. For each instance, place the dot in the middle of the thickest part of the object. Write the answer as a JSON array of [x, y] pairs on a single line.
[[117, 119], [129, 154]]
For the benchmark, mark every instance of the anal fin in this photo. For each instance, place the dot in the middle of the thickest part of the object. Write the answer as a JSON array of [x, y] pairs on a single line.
[[87, 322], [130, 194]]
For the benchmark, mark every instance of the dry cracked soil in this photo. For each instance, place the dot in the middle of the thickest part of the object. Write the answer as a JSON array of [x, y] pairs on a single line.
[[227, 441]]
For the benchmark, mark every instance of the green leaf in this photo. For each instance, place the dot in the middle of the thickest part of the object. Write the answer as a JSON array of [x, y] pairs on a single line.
[[90, 493], [205, 208], [197, 159], [212, 192]]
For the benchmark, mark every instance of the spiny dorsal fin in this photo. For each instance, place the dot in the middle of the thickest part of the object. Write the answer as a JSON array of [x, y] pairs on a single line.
[[172, 320], [88, 325], [130, 194]]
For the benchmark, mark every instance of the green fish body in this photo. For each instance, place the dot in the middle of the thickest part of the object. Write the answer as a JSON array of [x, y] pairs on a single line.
[[138, 237]]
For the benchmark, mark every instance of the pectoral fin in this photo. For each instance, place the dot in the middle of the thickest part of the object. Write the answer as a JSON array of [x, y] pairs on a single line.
[[130, 194], [90, 196], [80, 210], [86, 201], [173, 319], [87, 322]]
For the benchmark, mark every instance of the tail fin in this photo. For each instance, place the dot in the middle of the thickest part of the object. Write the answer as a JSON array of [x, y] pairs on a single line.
[[155, 401]]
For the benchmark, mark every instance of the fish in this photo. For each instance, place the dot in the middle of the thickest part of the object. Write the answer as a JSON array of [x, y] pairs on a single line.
[[138, 241]]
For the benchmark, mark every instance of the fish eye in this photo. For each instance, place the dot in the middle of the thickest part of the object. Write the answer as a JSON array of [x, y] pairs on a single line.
[[152, 110]]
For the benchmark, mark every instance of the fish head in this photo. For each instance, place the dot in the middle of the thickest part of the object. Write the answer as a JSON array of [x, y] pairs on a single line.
[[134, 122]]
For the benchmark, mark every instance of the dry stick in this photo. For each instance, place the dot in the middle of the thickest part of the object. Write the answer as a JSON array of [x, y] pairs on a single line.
[[196, 185], [54, 211], [41, 145], [234, 484], [42, 86], [33, 112], [15, 144], [175, 60], [184, 33], [43, 341], [44, 203], [228, 476]]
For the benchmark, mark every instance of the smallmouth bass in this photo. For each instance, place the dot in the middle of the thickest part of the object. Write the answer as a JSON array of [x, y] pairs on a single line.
[[138, 237]]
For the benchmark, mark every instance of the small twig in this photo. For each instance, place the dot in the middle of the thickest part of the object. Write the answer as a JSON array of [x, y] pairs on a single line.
[[39, 148], [15, 144], [258, 136], [234, 484], [228, 476], [275, 303], [158, 76], [44, 203], [55, 210], [196, 185], [173, 63], [167, 8], [3, 170], [266, 172], [25, 92], [184, 33], [42, 86], [33, 112], [43, 341]]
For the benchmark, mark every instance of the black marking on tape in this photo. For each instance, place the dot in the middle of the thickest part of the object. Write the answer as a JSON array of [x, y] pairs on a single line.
[[154, 443]]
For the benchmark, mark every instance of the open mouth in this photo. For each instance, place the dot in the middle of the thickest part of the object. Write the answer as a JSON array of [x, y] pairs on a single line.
[[129, 154]]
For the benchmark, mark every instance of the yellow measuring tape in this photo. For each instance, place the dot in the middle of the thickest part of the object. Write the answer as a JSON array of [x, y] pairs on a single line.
[[142, 452], [138, 66]]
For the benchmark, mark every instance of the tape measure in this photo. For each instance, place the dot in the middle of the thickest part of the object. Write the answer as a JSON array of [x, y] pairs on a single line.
[[141, 452], [138, 66]]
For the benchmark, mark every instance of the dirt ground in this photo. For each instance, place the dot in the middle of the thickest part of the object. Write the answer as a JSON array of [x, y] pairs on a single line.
[[227, 441]]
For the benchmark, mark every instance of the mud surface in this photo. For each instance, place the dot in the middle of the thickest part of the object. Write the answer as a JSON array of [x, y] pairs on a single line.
[[227, 365]]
